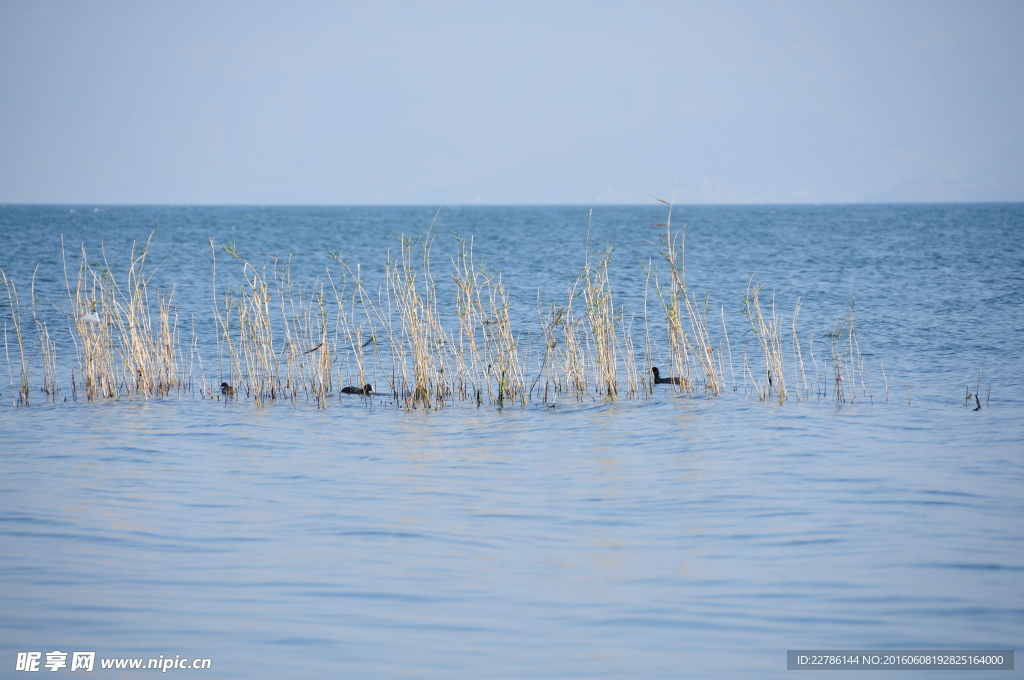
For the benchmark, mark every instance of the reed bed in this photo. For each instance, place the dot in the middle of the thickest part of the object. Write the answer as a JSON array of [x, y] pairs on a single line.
[[256, 366], [119, 347], [420, 342]]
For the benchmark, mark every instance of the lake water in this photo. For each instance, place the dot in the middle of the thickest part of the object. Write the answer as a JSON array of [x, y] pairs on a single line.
[[672, 536]]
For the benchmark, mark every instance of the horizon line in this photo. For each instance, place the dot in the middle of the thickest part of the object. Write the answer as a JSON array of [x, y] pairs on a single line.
[[6, 204]]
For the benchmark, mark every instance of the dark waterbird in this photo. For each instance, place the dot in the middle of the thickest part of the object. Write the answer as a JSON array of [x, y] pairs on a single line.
[[227, 389], [658, 380], [365, 389]]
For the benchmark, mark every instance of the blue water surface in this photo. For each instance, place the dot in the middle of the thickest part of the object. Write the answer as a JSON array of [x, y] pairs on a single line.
[[667, 537]]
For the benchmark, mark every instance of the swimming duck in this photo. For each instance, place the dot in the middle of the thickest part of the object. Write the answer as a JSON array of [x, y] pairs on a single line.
[[227, 389], [658, 380], [365, 389]]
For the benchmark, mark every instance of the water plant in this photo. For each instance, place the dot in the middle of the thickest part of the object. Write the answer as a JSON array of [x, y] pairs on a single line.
[[846, 360], [15, 310], [600, 314], [282, 336], [767, 332], [117, 345]]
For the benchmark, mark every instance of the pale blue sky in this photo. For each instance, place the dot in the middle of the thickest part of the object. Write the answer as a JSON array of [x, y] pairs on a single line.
[[583, 103]]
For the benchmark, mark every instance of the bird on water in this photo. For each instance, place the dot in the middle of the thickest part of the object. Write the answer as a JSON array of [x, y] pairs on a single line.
[[658, 380], [365, 389], [227, 389]]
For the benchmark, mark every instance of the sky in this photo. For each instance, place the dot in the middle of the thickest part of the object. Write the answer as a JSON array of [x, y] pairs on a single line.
[[586, 103]]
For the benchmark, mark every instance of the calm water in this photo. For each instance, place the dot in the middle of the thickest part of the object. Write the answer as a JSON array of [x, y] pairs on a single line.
[[662, 538]]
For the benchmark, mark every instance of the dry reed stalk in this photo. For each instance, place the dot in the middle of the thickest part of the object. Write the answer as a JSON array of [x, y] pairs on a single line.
[[865, 369], [93, 306], [442, 346], [169, 373], [885, 380], [704, 349], [838, 361], [134, 328], [574, 353], [629, 355], [728, 346], [48, 348], [314, 328], [682, 350], [256, 337], [767, 332], [148, 358], [553, 384], [322, 383], [857, 359], [600, 313], [471, 376], [847, 360], [377, 314], [354, 330], [648, 345], [134, 332], [721, 363], [70, 317], [7, 354], [291, 353], [674, 299], [307, 341], [759, 387], [204, 386], [817, 382], [345, 323], [798, 359], [223, 335], [507, 370], [252, 345], [401, 288], [184, 380], [486, 333], [416, 340], [15, 309]]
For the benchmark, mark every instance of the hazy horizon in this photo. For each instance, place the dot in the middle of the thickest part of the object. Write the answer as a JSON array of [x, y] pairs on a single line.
[[340, 104], [443, 206]]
